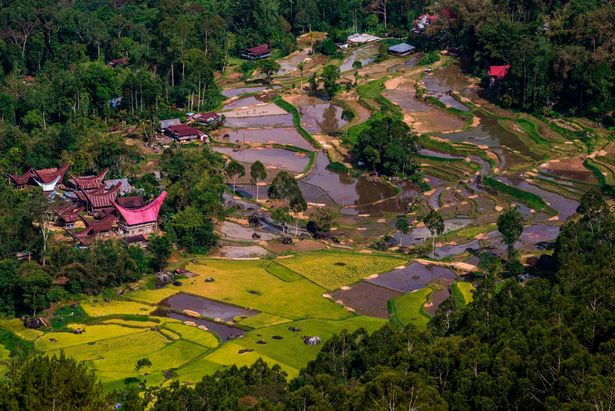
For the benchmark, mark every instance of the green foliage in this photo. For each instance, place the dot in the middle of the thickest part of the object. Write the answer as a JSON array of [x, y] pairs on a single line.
[[46, 383], [268, 68], [510, 225], [429, 58], [160, 250], [326, 47], [329, 77], [387, 146]]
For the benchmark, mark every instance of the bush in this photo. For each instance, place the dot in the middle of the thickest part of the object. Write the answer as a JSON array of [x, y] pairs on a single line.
[[429, 58]]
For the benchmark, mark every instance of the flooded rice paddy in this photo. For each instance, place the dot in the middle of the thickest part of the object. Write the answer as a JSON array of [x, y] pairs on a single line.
[[277, 135], [343, 189], [205, 307], [366, 299], [273, 158], [325, 118], [365, 55]]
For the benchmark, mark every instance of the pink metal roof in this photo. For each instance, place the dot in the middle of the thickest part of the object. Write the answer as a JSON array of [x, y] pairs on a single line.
[[47, 175], [146, 214], [498, 72], [259, 50]]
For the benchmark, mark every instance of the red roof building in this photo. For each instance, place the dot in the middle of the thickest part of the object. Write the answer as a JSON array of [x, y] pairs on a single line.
[[207, 119], [498, 72], [131, 202], [88, 182], [99, 200], [139, 221], [99, 226], [262, 51], [46, 178], [183, 133], [68, 214]]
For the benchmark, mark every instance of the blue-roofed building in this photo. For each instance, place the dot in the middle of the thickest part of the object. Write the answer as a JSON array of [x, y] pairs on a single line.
[[401, 49]]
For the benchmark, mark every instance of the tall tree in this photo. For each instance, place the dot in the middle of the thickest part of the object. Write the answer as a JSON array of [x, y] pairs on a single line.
[[435, 224], [257, 173], [510, 225], [233, 169], [402, 225]]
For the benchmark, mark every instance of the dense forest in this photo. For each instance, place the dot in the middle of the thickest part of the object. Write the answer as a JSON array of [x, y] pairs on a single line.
[[547, 344], [68, 60]]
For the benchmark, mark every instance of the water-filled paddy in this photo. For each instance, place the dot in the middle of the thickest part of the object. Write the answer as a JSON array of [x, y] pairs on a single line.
[[322, 118], [275, 158], [345, 190], [366, 55], [278, 135], [366, 299], [205, 307]]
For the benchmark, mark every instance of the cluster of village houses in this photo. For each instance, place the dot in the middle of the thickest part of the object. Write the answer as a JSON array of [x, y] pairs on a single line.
[[188, 132], [91, 207]]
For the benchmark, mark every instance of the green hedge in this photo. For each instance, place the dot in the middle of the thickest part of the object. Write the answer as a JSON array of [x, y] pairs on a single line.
[[604, 185], [285, 105], [529, 199]]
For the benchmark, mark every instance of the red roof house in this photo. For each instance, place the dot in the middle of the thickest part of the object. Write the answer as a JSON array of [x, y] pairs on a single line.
[[184, 133], [99, 200], [88, 182], [209, 118], [139, 221], [46, 178], [262, 51], [498, 72]]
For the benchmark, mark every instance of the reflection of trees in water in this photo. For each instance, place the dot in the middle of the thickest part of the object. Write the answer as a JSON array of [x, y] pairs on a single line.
[[330, 122]]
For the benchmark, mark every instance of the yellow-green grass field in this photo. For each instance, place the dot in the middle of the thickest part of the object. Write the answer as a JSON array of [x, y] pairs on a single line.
[[15, 325], [249, 284], [408, 308], [114, 359], [97, 307], [291, 349], [334, 269], [466, 289]]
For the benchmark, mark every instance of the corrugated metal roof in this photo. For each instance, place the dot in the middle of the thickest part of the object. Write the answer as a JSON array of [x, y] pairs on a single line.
[[401, 48]]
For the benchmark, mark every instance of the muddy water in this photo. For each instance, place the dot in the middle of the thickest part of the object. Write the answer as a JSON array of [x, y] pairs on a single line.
[[275, 158], [399, 204], [234, 92], [366, 298], [281, 135], [276, 120], [205, 307], [422, 234], [413, 277], [564, 206], [345, 190], [323, 118], [491, 134], [290, 63], [223, 331], [406, 100], [365, 55], [248, 101], [442, 81]]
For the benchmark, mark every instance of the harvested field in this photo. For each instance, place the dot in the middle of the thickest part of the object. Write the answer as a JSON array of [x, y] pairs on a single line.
[[413, 277], [366, 299]]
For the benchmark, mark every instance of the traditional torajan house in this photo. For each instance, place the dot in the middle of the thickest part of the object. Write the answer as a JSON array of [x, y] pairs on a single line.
[[86, 183], [131, 202], [46, 178], [183, 133], [100, 202], [497, 73], [262, 51], [68, 215], [139, 221], [93, 229]]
